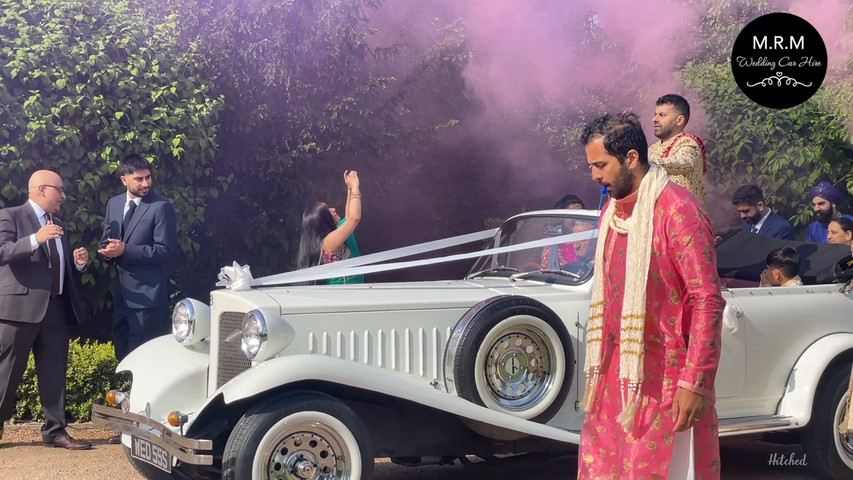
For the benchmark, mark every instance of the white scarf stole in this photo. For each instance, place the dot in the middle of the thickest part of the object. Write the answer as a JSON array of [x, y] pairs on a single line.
[[633, 315]]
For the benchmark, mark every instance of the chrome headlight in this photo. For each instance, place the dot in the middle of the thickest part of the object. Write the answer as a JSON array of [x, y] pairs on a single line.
[[255, 333], [190, 321], [265, 334]]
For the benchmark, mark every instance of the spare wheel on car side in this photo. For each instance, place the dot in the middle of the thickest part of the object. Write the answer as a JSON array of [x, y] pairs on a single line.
[[511, 354]]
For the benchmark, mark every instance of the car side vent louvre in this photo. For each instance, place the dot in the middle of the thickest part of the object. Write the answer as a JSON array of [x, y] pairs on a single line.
[[231, 361], [413, 351]]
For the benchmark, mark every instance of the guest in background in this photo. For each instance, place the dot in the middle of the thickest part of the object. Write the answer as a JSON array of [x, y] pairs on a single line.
[[840, 231], [572, 202], [783, 268], [825, 200], [681, 154], [584, 252], [324, 234], [757, 216], [555, 256]]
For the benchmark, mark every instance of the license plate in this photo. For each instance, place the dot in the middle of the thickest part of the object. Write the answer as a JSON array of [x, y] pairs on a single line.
[[142, 449]]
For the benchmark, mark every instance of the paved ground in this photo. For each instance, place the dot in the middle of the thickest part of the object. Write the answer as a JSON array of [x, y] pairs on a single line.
[[23, 458]]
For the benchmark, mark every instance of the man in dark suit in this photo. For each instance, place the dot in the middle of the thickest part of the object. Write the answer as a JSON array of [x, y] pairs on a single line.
[[757, 216], [38, 298], [141, 239]]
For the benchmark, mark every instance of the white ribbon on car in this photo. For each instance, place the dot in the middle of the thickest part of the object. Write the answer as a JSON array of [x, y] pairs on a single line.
[[363, 265], [235, 277]]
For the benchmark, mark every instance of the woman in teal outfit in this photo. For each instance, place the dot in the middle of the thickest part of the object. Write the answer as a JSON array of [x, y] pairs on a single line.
[[326, 237]]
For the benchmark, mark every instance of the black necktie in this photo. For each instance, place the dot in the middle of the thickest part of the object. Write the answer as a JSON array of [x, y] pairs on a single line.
[[131, 207], [754, 229], [54, 262]]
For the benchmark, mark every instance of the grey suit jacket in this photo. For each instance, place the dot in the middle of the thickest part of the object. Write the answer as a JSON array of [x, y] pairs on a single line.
[[25, 273], [151, 244]]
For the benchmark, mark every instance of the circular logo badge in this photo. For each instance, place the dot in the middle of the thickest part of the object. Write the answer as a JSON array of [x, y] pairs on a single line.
[[779, 60]]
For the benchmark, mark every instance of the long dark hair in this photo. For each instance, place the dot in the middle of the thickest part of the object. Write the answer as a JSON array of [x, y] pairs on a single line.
[[317, 222]]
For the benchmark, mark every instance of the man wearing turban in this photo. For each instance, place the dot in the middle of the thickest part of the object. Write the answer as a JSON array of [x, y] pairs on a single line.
[[825, 200]]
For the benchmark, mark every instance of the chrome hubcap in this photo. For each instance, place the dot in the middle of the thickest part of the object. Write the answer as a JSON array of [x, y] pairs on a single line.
[[311, 454], [518, 368]]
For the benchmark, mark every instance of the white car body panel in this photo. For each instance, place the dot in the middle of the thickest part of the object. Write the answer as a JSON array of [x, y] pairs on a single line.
[[167, 376], [781, 314], [292, 369], [805, 376]]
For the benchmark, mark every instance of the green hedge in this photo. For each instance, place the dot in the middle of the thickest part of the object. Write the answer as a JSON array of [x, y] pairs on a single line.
[[91, 373]]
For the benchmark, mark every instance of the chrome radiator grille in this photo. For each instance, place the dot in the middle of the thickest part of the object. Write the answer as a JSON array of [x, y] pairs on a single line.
[[231, 361]]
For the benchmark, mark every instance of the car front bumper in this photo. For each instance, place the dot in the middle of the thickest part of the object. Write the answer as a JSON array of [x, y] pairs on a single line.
[[188, 450]]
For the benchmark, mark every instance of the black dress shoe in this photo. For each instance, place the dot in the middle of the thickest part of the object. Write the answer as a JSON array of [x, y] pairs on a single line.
[[115, 439], [67, 442]]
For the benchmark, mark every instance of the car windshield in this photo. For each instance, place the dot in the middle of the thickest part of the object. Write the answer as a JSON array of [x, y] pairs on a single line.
[[571, 262]]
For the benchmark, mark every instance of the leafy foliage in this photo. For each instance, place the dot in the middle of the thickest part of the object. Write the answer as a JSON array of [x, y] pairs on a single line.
[[83, 83], [783, 151], [310, 91], [91, 373]]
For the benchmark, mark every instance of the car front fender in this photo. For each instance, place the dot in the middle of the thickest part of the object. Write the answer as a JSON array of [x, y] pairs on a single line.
[[291, 369], [167, 376], [804, 379]]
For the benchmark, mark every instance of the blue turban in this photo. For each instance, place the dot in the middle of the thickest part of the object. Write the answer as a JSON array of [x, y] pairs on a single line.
[[827, 191]]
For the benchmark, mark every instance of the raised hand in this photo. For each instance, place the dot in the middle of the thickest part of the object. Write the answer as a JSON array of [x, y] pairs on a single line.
[[81, 256], [48, 232], [351, 179]]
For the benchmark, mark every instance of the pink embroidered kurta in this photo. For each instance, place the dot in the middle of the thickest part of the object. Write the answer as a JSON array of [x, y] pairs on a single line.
[[682, 347]]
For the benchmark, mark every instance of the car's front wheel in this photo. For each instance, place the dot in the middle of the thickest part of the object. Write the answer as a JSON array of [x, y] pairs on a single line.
[[829, 451], [300, 436]]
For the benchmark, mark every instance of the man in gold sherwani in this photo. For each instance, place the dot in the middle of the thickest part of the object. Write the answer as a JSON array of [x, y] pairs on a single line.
[[681, 154]]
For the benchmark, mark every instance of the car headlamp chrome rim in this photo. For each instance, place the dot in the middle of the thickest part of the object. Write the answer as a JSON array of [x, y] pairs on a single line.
[[184, 322], [255, 333]]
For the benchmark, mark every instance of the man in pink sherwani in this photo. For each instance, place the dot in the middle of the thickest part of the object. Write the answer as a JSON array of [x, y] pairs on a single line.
[[653, 338]]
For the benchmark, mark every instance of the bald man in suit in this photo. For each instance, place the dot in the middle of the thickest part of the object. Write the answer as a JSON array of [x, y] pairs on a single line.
[[39, 280]]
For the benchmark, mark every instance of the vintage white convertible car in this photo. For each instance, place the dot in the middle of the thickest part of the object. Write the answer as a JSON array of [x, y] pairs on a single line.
[[280, 381]]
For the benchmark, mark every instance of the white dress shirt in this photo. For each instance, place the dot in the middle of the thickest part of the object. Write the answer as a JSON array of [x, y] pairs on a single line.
[[40, 213]]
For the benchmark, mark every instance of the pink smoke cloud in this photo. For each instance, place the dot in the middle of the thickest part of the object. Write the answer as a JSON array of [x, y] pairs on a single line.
[[828, 17], [527, 49]]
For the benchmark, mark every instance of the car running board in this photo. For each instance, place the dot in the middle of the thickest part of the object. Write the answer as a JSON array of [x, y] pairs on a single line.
[[756, 424]]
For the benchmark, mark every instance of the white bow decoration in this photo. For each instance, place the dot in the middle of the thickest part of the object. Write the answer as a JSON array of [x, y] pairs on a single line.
[[235, 277]]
